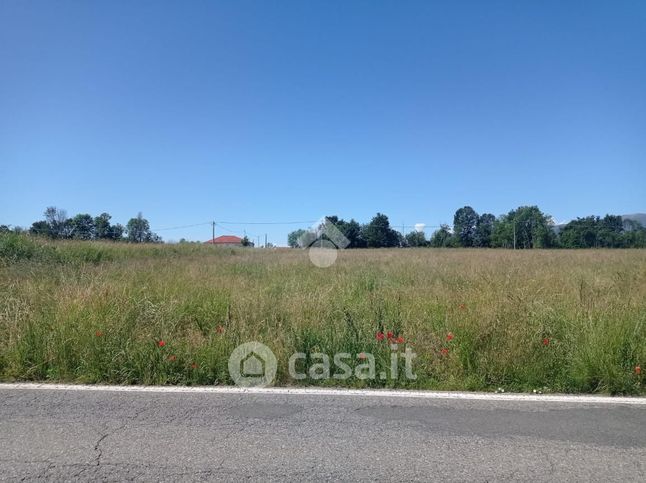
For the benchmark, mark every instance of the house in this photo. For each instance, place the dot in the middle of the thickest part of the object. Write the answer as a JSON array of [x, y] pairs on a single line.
[[225, 241]]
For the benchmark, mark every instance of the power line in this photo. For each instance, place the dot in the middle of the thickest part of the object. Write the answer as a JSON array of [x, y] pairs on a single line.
[[182, 226], [266, 222], [233, 232]]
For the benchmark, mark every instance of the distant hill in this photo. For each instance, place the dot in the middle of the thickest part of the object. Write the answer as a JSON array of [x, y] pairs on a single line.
[[638, 217]]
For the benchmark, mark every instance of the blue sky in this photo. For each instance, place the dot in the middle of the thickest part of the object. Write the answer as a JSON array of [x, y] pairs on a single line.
[[286, 111]]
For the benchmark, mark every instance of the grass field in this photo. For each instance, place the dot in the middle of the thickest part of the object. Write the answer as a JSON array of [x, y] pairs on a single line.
[[554, 321]]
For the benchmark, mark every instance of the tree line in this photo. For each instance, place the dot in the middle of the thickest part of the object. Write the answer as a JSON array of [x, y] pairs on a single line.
[[58, 226], [525, 227]]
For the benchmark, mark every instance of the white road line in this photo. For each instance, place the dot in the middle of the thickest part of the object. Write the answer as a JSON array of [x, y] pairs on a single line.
[[468, 396]]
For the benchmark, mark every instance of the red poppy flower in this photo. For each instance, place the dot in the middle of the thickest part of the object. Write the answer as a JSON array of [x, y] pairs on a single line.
[[98, 333], [638, 370], [445, 351], [399, 340], [172, 358], [380, 336], [161, 343], [219, 329], [449, 336], [546, 341], [362, 356], [194, 365], [462, 306], [389, 334]]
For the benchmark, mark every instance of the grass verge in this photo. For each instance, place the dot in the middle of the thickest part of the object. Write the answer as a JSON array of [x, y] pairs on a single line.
[[554, 321]]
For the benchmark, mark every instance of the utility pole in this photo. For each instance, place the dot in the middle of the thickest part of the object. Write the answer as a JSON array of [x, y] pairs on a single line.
[[265, 240], [213, 232]]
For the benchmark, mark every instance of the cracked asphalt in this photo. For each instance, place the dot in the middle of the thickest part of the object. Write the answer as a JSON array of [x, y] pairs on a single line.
[[115, 436]]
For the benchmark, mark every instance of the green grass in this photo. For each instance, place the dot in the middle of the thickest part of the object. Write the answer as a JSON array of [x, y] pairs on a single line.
[[95, 312]]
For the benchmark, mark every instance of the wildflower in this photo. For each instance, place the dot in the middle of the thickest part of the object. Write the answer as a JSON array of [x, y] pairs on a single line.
[[362, 356], [172, 358], [194, 365], [399, 340], [638, 370], [219, 329], [380, 336], [161, 343], [546, 341], [99, 333], [390, 335], [445, 351], [462, 306], [449, 336]]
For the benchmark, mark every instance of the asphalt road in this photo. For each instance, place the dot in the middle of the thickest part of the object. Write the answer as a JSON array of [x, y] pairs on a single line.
[[107, 435]]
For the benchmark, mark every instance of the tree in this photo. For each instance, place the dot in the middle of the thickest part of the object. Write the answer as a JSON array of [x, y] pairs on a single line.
[[580, 233], [465, 221], [82, 227], [293, 238], [484, 229], [610, 231], [138, 230], [117, 231], [442, 237], [59, 226], [352, 231], [102, 227], [524, 227], [416, 239], [41, 228], [378, 233], [245, 242], [634, 235]]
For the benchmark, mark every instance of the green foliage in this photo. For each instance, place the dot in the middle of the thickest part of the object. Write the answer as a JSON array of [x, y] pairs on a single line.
[[443, 238], [416, 239], [294, 237], [484, 230], [352, 231], [524, 227], [56, 225], [607, 232], [379, 234], [104, 230], [14, 247], [465, 222], [138, 231], [83, 227]]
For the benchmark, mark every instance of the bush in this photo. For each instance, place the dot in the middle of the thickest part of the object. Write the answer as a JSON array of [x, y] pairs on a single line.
[[14, 247]]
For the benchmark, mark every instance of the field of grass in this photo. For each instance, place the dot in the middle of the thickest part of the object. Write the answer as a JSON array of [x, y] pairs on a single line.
[[554, 321]]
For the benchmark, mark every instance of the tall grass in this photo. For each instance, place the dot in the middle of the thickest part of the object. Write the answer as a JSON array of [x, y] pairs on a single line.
[[560, 321]]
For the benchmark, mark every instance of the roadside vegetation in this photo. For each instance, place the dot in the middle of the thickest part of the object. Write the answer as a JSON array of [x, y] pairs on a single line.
[[525, 320]]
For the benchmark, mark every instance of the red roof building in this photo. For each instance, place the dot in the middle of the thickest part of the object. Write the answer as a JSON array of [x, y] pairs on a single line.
[[225, 240]]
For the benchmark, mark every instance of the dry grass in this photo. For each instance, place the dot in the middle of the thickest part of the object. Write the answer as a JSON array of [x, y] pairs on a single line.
[[71, 316]]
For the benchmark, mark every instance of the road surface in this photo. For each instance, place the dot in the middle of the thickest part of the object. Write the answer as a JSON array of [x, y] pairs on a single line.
[[66, 434]]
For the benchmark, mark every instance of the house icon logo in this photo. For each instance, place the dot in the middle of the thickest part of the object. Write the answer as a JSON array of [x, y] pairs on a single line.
[[252, 365], [322, 241]]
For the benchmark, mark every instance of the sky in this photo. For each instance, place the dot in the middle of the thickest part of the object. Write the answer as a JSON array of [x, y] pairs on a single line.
[[253, 112]]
